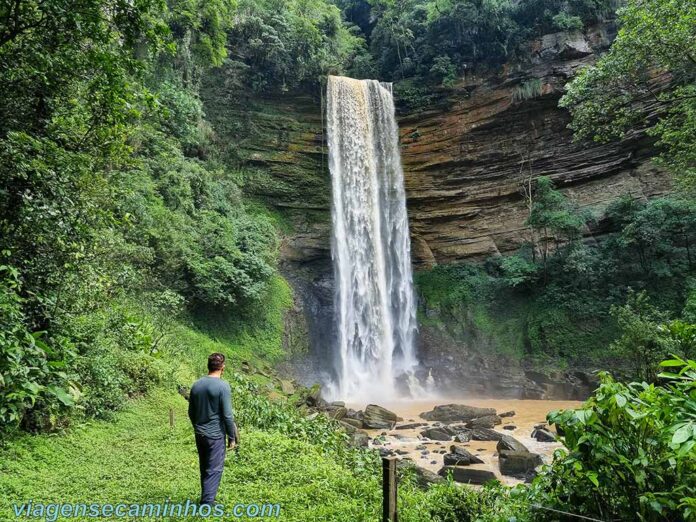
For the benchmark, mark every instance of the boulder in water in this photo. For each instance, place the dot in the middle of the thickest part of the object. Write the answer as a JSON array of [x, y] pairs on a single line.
[[410, 426], [456, 412], [349, 428], [485, 434], [353, 422], [438, 433], [510, 413], [376, 417], [519, 464], [543, 435], [460, 457], [352, 414], [487, 421], [467, 475], [463, 436], [509, 443]]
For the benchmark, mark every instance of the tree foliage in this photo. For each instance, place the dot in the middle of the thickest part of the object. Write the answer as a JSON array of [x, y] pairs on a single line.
[[631, 451], [280, 45], [559, 312], [114, 212], [649, 70], [439, 39]]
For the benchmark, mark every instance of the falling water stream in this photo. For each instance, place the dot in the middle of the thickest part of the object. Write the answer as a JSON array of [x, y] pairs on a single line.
[[375, 305]]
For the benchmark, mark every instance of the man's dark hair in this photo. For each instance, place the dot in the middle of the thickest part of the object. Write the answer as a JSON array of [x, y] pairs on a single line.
[[215, 362]]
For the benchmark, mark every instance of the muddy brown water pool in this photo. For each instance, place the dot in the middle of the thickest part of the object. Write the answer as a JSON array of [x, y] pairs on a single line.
[[528, 413]]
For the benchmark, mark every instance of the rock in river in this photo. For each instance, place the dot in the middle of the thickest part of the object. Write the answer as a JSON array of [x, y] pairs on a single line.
[[353, 422], [410, 425], [463, 436], [456, 412], [485, 434], [376, 417], [519, 464], [460, 457], [543, 435], [438, 433], [508, 443], [487, 421], [467, 475]]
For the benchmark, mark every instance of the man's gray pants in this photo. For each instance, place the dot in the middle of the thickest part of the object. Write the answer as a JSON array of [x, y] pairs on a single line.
[[211, 457]]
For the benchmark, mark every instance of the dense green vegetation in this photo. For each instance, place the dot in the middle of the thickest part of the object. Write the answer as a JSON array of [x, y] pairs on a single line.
[[650, 69], [438, 40], [280, 45], [562, 300], [630, 452]]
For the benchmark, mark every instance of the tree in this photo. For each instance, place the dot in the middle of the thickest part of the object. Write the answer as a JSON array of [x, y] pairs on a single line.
[[650, 69], [553, 220], [640, 342]]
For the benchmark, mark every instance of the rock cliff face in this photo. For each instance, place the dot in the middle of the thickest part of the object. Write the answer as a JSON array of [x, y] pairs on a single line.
[[465, 159]]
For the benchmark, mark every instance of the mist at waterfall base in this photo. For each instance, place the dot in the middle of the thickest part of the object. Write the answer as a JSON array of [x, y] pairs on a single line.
[[375, 308]]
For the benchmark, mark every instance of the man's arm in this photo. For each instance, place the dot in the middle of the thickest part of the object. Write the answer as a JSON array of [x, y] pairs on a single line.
[[227, 414], [191, 411]]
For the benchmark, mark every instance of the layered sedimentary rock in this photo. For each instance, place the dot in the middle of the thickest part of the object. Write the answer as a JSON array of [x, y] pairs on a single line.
[[465, 158], [467, 161]]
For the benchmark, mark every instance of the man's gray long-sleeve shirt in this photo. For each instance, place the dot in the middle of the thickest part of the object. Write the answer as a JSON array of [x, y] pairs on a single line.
[[210, 408]]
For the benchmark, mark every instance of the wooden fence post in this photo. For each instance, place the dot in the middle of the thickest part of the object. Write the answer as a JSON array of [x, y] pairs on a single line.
[[171, 417], [389, 513]]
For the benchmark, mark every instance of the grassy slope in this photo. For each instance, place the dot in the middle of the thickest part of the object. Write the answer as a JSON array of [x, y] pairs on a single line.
[[139, 458]]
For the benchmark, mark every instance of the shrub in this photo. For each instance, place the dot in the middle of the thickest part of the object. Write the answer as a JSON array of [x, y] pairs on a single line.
[[631, 451], [33, 383], [527, 90]]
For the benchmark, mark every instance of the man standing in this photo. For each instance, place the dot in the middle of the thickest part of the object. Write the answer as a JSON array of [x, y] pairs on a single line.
[[210, 411]]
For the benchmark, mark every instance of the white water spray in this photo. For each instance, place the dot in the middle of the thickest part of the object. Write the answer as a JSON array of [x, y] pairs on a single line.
[[375, 304]]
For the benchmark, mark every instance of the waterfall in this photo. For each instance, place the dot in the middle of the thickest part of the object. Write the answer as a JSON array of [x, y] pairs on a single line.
[[371, 251]]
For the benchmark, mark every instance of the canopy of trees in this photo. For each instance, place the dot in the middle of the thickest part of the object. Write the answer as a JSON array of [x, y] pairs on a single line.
[[115, 215], [650, 70], [438, 39]]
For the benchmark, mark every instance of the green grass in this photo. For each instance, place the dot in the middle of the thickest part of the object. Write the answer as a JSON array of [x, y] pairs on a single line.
[[256, 337], [303, 466], [140, 459]]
